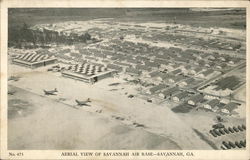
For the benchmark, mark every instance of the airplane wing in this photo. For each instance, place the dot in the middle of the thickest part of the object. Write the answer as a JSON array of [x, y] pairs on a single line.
[[49, 93], [82, 103]]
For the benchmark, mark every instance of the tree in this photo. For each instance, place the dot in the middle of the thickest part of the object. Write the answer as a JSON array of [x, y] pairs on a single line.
[[26, 34], [219, 119], [85, 37], [14, 35]]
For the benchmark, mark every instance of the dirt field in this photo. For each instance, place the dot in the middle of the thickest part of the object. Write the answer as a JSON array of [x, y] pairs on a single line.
[[48, 124], [204, 123], [241, 93], [60, 111]]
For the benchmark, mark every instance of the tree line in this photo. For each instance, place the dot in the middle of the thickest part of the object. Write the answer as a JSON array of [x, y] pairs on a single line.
[[19, 35]]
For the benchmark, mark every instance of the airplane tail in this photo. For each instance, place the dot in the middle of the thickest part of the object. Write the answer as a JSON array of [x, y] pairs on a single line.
[[55, 90], [45, 92], [77, 101]]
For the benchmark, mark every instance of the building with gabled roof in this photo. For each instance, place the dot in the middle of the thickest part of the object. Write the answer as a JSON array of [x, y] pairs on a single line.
[[151, 64], [180, 96], [141, 58], [154, 74], [210, 64], [186, 68], [182, 59], [163, 76], [221, 66], [206, 73], [34, 60], [203, 55], [156, 89], [143, 67], [133, 71], [211, 104], [175, 79], [233, 61], [169, 92], [115, 67], [195, 70], [228, 108], [175, 49], [160, 61], [176, 71], [195, 99], [200, 62], [187, 81], [133, 61], [122, 64], [163, 57]]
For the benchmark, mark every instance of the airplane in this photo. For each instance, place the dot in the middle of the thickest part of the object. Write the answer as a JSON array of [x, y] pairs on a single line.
[[83, 103], [52, 92], [11, 92], [14, 78]]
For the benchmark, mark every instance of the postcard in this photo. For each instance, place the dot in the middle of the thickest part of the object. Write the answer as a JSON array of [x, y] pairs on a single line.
[[124, 79]]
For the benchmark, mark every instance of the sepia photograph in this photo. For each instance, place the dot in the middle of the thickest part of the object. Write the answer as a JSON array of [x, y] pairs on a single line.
[[123, 78], [118, 79]]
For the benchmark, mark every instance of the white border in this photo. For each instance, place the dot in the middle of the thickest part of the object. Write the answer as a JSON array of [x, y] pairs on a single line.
[[56, 154]]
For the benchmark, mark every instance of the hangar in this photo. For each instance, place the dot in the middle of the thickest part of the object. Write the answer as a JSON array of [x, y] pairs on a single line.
[[86, 72], [34, 60]]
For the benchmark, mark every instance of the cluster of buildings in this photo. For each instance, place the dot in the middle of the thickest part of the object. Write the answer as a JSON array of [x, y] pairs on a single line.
[[190, 40], [216, 105], [86, 72], [173, 73], [193, 99], [34, 60]]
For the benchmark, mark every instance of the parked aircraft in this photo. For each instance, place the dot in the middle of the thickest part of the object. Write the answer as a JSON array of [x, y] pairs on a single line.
[[11, 92], [83, 103], [13, 78], [51, 92]]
